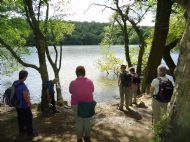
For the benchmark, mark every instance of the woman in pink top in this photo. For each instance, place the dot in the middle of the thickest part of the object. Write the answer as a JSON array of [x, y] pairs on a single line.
[[81, 90]]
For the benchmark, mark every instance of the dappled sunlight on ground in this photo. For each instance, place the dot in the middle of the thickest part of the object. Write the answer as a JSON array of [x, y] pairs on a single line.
[[108, 125]]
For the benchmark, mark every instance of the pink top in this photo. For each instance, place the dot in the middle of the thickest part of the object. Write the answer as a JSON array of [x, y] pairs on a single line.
[[81, 90]]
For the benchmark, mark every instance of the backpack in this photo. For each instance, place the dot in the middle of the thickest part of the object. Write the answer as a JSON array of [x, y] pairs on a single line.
[[9, 97], [165, 91], [126, 79], [136, 79]]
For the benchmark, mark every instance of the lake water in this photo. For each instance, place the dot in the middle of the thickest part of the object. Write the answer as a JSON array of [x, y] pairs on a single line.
[[106, 88]]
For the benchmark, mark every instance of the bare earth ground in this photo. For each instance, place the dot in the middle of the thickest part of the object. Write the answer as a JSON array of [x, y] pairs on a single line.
[[108, 125]]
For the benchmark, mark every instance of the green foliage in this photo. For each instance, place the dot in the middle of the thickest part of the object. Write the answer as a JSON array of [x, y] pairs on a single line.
[[108, 63], [160, 128], [86, 33], [177, 25], [57, 30], [13, 31]]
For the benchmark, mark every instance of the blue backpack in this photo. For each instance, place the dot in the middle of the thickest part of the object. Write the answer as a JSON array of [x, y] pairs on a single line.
[[9, 97]]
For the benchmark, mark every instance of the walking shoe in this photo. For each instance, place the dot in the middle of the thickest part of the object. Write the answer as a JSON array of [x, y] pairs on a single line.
[[121, 109]]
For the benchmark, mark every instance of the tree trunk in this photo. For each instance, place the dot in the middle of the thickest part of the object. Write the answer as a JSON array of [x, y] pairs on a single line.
[[41, 46], [178, 127], [126, 42], [167, 57], [159, 41], [60, 101]]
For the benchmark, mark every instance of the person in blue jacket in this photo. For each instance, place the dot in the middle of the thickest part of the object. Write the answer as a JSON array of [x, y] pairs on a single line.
[[50, 86]]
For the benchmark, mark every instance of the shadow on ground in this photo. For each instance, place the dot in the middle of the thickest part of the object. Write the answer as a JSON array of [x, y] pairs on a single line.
[[108, 125]]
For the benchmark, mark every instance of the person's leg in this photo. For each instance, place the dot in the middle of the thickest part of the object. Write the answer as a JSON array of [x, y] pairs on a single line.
[[155, 111], [121, 90], [127, 97], [78, 124], [130, 95], [135, 94], [29, 121], [21, 122], [53, 102], [87, 129]]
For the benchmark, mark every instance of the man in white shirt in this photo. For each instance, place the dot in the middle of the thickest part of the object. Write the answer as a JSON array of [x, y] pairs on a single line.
[[158, 107]]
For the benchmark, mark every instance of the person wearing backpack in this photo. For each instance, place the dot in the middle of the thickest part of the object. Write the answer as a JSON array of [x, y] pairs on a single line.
[[161, 90], [135, 84], [23, 108], [124, 83], [81, 90]]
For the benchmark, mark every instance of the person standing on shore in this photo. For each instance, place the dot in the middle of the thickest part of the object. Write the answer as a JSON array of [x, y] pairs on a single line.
[[124, 83], [81, 90], [50, 87], [24, 113], [135, 84], [161, 90]]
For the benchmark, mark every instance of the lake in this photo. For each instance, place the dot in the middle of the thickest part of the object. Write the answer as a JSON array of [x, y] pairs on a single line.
[[106, 88]]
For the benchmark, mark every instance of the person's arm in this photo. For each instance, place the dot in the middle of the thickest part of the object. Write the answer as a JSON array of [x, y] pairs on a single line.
[[27, 98], [71, 87], [119, 80]]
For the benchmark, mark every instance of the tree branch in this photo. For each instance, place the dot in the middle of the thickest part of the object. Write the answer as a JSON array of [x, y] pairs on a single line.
[[50, 59], [56, 54], [102, 5], [28, 17], [8, 47], [60, 58]]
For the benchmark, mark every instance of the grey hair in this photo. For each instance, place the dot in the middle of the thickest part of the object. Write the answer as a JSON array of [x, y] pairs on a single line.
[[162, 70]]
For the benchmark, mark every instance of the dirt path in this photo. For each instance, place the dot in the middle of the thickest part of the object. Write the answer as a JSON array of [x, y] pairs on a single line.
[[108, 125]]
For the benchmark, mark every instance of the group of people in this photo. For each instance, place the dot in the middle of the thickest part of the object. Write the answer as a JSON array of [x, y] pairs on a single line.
[[161, 90], [128, 83], [81, 90]]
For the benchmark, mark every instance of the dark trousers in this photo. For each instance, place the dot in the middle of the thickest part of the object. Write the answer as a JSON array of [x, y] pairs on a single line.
[[25, 120], [52, 97]]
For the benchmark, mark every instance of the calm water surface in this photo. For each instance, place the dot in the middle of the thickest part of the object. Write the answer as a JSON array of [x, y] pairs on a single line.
[[106, 88]]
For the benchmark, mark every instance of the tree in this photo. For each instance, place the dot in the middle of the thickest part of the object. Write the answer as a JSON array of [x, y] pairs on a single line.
[[108, 63], [26, 9], [178, 125], [177, 21], [122, 15], [57, 29], [163, 12]]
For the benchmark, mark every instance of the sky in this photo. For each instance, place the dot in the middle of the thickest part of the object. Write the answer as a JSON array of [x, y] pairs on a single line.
[[80, 12]]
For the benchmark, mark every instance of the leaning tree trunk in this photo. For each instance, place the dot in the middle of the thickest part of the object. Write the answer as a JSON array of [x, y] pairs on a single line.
[[60, 101], [179, 119], [56, 71], [159, 41], [126, 42], [167, 56], [41, 46]]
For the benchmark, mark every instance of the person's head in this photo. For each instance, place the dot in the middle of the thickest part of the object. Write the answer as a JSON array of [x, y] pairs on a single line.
[[161, 70], [132, 70], [23, 75], [80, 71], [123, 67]]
